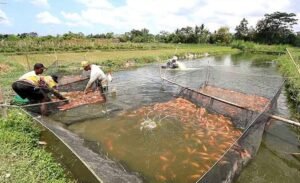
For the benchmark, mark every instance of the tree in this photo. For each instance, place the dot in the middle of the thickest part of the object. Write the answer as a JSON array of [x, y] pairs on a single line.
[[276, 28], [202, 34], [223, 35], [242, 31], [297, 40]]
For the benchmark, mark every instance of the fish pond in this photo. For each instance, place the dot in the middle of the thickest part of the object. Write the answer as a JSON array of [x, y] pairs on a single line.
[[164, 138]]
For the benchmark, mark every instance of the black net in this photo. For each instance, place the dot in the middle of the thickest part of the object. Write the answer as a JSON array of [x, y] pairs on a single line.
[[222, 104], [247, 101]]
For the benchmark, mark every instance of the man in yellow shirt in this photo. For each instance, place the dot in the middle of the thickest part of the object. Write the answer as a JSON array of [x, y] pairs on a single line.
[[37, 88]]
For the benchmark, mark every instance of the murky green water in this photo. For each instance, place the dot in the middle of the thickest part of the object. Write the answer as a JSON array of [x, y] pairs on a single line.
[[160, 153]]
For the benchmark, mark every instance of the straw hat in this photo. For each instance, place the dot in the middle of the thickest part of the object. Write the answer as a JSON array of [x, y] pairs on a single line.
[[84, 64]]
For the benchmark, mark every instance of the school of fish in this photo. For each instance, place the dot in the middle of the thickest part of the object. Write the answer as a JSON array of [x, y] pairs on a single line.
[[206, 136], [78, 98], [252, 102]]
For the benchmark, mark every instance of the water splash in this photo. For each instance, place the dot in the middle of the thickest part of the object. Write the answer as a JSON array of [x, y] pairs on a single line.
[[181, 66]]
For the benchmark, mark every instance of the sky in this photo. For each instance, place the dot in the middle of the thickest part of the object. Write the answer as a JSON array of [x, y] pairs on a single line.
[[100, 16]]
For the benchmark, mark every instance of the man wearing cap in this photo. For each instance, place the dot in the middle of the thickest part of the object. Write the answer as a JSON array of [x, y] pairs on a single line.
[[38, 69], [97, 76]]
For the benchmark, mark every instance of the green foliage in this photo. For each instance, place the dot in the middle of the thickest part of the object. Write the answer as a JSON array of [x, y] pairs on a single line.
[[292, 87], [254, 47], [15, 70], [22, 160], [223, 35], [197, 34], [242, 30], [276, 28], [243, 45]]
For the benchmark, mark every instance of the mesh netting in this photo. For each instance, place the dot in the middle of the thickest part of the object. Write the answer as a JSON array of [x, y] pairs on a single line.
[[247, 101], [228, 95]]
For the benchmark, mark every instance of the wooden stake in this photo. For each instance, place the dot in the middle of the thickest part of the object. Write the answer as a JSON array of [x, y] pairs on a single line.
[[28, 64], [4, 107]]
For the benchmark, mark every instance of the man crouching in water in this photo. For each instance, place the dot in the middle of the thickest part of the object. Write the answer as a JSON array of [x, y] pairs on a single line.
[[97, 77], [36, 88]]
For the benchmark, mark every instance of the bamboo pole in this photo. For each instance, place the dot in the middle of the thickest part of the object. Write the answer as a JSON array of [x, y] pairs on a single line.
[[296, 65], [295, 123]]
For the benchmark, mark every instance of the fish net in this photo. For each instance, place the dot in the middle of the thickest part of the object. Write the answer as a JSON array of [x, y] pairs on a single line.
[[247, 101], [226, 110]]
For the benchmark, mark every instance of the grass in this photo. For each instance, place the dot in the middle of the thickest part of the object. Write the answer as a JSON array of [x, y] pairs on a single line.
[[22, 159], [255, 47], [288, 69], [25, 46], [115, 59]]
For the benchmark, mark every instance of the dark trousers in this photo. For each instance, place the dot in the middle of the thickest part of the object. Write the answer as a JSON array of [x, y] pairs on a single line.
[[29, 91], [102, 89]]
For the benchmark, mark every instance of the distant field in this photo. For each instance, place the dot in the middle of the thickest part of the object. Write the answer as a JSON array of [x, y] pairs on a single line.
[[116, 55], [12, 66]]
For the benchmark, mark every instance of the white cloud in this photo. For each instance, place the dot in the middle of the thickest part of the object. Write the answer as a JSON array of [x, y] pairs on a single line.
[[47, 18], [4, 19], [74, 19], [169, 14], [96, 3], [40, 3]]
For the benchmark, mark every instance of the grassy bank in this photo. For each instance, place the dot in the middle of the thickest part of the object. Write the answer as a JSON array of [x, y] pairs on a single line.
[[259, 48], [289, 70], [22, 159]]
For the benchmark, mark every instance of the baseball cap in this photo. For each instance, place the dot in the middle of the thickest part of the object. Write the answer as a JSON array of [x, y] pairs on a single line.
[[39, 66]]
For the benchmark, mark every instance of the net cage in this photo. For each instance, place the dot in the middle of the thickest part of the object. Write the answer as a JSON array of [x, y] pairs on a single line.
[[246, 101]]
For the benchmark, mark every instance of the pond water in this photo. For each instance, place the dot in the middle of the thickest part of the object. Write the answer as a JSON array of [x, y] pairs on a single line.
[[168, 149]]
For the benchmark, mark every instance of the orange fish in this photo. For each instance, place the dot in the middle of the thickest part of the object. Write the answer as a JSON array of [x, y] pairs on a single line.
[[204, 148], [109, 145], [161, 178], [203, 153], [195, 176], [206, 158], [198, 141], [163, 158], [206, 166], [195, 164]]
